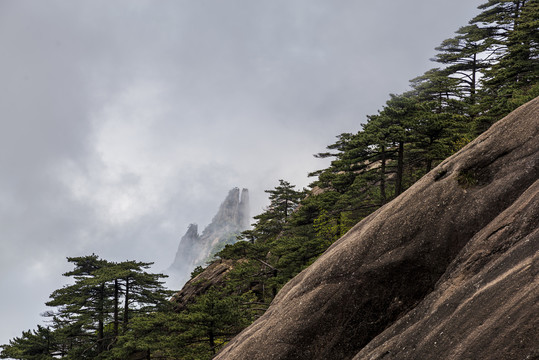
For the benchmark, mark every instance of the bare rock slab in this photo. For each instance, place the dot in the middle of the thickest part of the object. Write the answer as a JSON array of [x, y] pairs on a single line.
[[446, 270]]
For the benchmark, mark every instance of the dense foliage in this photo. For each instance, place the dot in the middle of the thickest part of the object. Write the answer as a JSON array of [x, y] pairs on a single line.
[[90, 315], [487, 70]]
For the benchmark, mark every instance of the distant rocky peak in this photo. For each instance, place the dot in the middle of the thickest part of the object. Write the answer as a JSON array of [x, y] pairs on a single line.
[[234, 210], [231, 219], [244, 210], [228, 211], [192, 231]]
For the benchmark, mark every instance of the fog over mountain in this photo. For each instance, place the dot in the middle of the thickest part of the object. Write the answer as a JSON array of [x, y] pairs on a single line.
[[197, 249], [123, 122]]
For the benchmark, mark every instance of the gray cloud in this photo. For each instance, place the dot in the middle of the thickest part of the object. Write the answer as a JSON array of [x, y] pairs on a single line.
[[122, 122]]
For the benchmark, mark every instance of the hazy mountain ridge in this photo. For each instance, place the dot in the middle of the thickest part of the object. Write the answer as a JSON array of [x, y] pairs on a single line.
[[195, 249]]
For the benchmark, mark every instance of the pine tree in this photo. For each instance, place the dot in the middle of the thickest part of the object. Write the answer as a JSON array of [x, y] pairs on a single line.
[[398, 117], [212, 320], [440, 124], [284, 199], [86, 308], [463, 56], [143, 292], [379, 138], [83, 305], [512, 29], [39, 344]]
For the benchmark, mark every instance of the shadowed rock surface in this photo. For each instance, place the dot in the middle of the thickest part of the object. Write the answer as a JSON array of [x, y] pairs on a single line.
[[486, 304], [446, 270], [212, 275]]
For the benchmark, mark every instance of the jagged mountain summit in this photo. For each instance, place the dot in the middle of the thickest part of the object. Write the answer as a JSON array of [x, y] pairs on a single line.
[[447, 270], [195, 249]]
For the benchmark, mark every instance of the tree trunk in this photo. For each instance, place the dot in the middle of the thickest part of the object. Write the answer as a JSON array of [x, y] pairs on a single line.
[[116, 305], [517, 13], [274, 287], [474, 71], [212, 337], [101, 315], [429, 165], [383, 176], [400, 169], [126, 305]]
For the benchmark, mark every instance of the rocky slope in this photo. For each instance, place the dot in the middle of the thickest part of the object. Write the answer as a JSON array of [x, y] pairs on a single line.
[[194, 248], [447, 270], [212, 275]]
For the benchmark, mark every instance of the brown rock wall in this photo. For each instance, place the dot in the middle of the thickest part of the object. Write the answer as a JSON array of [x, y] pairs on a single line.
[[392, 260]]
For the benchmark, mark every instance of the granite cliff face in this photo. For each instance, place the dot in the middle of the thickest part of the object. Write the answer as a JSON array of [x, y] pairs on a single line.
[[194, 248], [447, 270]]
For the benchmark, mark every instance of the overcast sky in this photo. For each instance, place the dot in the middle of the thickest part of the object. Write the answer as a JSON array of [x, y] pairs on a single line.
[[121, 122]]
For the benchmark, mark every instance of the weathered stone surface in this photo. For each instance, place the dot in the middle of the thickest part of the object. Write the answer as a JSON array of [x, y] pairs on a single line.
[[486, 304], [198, 285], [426, 251]]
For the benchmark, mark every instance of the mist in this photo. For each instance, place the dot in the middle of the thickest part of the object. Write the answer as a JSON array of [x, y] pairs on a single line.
[[123, 122]]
